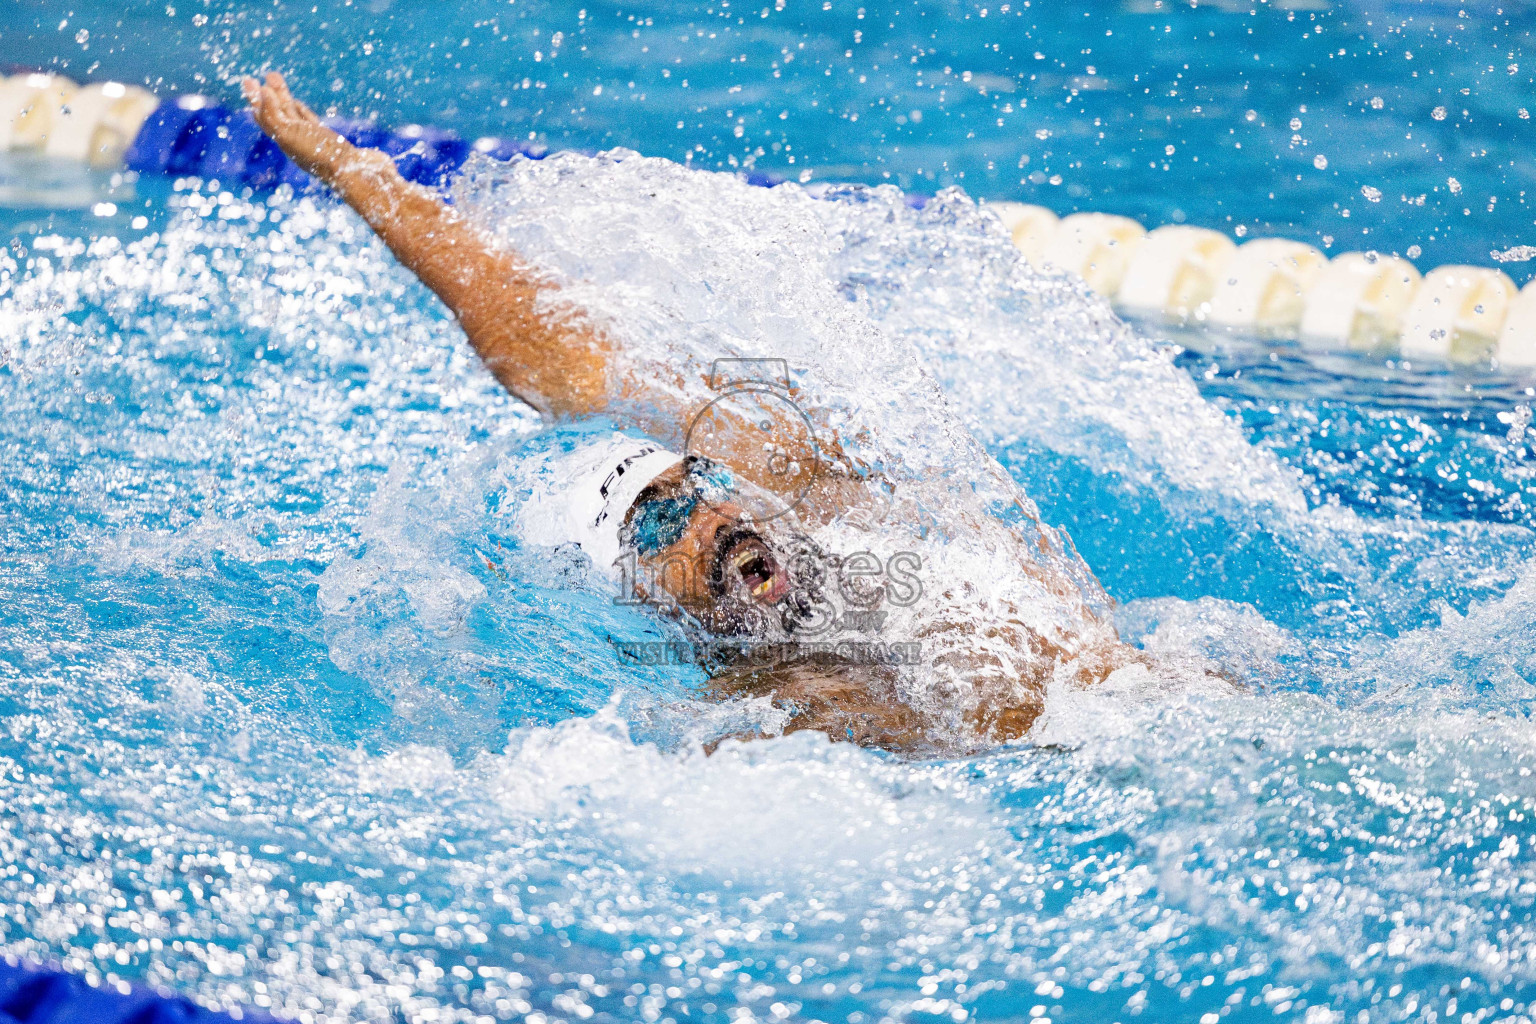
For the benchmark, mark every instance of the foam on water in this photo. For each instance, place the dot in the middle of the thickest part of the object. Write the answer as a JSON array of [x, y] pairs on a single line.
[[294, 715]]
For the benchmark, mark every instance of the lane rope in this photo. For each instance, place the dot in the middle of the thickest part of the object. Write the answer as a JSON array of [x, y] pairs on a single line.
[[1178, 274]]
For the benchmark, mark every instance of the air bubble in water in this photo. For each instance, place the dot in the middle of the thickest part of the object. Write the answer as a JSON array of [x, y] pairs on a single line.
[[1320, 162]]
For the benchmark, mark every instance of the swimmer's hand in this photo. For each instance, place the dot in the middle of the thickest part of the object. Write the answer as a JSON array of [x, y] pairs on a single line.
[[296, 129]]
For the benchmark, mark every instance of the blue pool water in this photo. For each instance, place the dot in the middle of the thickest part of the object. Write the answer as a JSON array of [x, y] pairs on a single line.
[[1215, 113], [293, 717]]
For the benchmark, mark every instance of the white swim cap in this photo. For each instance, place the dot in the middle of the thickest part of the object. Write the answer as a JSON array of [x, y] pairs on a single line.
[[584, 495]]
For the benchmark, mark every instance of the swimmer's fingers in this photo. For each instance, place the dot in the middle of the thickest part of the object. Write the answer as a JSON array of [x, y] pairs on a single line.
[[294, 127], [305, 112], [255, 95], [264, 104], [291, 104]]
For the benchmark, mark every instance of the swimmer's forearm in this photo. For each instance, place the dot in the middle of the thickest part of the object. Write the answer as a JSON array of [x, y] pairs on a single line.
[[550, 361], [421, 230], [552, 364]]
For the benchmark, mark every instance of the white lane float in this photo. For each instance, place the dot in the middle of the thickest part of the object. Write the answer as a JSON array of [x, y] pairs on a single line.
[[1278, 288], [1358, 302], [96, 123], [1174, 272], [1458, 314], [1031, 227], [1096, 247], [1517, 341], [28, 104], [1264, 288], [74, 120]]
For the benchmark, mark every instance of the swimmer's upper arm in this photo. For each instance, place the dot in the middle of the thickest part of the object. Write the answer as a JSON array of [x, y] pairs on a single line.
[[546, 356]]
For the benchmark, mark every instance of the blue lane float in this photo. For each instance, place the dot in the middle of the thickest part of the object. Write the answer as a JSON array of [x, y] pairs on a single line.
[[240, 151], [193, 135], [32, 994], [174, 139]]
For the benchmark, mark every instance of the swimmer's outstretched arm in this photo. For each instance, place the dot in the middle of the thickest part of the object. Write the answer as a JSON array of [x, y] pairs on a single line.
[[554, 362], [549, 357]]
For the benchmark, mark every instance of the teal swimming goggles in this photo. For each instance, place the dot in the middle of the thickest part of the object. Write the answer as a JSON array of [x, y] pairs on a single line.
[[660, 516]]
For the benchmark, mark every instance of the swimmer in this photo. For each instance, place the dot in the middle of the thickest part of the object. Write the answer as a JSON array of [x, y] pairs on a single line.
[[646, 510]]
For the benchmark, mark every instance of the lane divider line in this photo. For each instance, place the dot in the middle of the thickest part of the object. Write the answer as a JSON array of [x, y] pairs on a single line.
[[1268, 287], [1282, 289]]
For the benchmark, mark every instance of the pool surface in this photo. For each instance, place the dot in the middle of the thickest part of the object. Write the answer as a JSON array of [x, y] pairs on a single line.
[[1274, 118], [294, 719]]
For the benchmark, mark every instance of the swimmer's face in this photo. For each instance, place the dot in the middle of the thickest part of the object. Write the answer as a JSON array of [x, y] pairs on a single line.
[[699, 547]]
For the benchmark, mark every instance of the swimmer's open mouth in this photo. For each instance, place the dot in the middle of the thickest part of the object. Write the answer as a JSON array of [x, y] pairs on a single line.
[[743, 557]]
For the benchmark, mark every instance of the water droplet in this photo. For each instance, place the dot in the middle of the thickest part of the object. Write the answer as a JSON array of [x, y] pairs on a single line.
[[1320, 162], [1295, 124], [1438, 113]]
